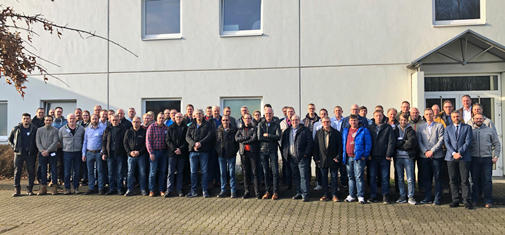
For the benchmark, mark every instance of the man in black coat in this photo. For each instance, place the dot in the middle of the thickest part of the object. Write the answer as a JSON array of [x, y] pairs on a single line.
[[135, 147], [269, 134], [248, 148], [114, 153], [226, 148], [177, 153], [328, 155]]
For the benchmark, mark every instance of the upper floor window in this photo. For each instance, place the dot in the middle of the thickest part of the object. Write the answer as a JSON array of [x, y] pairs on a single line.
[[241, 17], [161, 19], [458, 12], [3, 118]]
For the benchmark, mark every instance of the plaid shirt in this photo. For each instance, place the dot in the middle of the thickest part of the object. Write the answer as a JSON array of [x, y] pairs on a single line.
[[155, 137]]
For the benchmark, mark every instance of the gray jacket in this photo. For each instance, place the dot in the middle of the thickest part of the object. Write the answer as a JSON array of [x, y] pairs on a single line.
[[487, 121], [69, 142], [433, 142], [47, 139], [485, 140]]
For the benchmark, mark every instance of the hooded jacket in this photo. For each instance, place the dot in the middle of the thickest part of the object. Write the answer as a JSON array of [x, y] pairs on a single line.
[[408, 143]]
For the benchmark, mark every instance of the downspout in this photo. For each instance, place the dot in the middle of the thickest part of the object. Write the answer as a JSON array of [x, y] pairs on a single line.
[[108, 51]]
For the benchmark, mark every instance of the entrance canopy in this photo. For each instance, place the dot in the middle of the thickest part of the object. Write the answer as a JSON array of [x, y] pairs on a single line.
[[468, 47]]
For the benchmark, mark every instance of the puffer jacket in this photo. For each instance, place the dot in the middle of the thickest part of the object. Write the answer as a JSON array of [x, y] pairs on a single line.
[[269, 144], [362, 144], [69, 142], [485, 141], [204, 134], [409, 143], [383, 143], [15, 140], [247, 136], [225, 142]]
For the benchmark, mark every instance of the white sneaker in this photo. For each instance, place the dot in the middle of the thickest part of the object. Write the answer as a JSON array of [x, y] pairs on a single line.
[[361, 200], [350, 199], [318, 187]]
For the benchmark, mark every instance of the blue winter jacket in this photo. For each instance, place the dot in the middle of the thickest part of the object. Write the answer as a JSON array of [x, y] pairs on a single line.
[[362, 143]]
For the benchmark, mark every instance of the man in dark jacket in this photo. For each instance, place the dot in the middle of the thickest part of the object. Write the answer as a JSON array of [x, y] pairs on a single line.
[[126, 124], [383, 147], [22, 141], [226, 148], [200, 137], [177, 154], [310, 119], [135, 146], [113, 152], [269, 134], [406, 153], [328, 155], [38, 120], [248, 148], [363, 122], [296, 148]]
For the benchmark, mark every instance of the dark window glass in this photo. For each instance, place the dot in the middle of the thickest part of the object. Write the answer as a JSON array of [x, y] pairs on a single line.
[[159, 105], [466, 83], [440, 102], [3, 119], [457, 9], [242, 15]]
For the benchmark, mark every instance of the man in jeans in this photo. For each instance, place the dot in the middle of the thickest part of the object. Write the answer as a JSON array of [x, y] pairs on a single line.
[[226, 148], [177, 153], [91, 148], [269, 134], [485, 140], [297, 146], [200, 137], [113, 151], [47, 143], [383, 148], [135, 146], [157, 148], [406, 153], [22, 140], [71, 137], [356, 143]]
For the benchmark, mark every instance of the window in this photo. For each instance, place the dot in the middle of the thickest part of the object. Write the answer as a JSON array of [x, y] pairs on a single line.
[[463, 83], [161, 19], [241, 17], [3, 118], [458, 12], [68, 106], [235, 104], [160, 105]]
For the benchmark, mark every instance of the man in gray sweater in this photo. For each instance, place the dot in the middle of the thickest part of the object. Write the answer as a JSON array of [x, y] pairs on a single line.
[[71, 137], [47, 144]]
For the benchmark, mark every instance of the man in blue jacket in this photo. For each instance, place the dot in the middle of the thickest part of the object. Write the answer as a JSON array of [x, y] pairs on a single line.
[[458, 141], [357, 143]]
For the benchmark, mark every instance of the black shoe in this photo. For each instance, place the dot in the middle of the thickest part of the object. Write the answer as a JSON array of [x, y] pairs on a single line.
[[305, 199], [101, 192], [468, 206], [181, 194], [385, 198], [454, 204], [297, 196], [221, 195], [90, 191], [233, 195], [128, 193], [110, 192], [120, 192], [29, 191], [247, 194], [167, 194], [372, 200]]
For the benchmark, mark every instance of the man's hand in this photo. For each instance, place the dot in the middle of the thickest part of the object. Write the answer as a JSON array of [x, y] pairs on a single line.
[[428, 154], [132, 153], [457, 156], [495, 160], [334, 159], [104, 157], [265, 134], [177, 151], [198, 145], [84, 158], [151, 156], [195, 148], [369, 158], [363, 158], [388, 158], [45, 153]]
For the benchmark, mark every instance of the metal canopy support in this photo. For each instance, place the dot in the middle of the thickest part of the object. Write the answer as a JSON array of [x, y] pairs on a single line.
[[480, 53]]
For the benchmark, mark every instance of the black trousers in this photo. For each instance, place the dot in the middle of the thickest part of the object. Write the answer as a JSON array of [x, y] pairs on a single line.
[[250, 162], [459, 169], [18, 169]]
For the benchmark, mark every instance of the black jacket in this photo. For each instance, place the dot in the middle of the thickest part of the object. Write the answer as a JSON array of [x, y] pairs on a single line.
[[250, 138], [225, 141], [38, 122], [126, 124], [177, 140], [303, 143], [269, 144], [334, 150], [107, 141], [409, 142], [205, 135], [309, 122], [15, 140], [135, 141], [383, 143]]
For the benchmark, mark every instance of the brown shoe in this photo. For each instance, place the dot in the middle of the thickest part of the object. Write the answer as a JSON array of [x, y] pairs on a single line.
[[267, 195], [17, 192], [324, 198], [489, 205], [43, 190], [335, 199], [162, 194], [151, 194], [55, 189], [275, 196]]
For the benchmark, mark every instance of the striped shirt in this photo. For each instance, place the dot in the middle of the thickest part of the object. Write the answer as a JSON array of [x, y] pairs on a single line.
[[155, 137]]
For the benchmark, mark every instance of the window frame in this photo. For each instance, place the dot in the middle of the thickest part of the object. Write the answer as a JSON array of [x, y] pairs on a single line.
[[144, 100], [223, 99], [449, 23], [3, 138], [148, 37], [238, 33]]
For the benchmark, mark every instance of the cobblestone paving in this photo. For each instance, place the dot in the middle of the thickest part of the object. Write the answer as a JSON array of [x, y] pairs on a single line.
[[95, 214]]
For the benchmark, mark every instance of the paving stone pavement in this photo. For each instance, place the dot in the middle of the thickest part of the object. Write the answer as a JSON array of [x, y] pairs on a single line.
[[94, 214]]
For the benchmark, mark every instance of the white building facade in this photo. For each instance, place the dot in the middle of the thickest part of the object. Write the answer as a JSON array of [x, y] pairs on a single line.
[[288, 52]]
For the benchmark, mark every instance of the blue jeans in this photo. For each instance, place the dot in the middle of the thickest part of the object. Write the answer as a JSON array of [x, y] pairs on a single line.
[[227, 165], [355, 174], [334, 181], [384, 166], [300, 170], [115, 167], [407, 165], [195, 159], [270, 160], [133, 162], [482, 172], [91, 160], [432, 168], [175, 164], [159, 165], [53, 163], [72, 159]]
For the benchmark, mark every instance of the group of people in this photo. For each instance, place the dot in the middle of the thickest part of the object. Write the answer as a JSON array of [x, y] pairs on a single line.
[[449, 146]]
